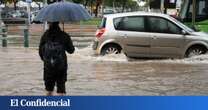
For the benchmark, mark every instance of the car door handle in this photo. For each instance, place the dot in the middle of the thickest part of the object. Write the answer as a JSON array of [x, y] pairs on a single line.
[[154, 37], [124, 35]]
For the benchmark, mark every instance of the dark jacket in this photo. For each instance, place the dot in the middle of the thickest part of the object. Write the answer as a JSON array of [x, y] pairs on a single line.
[[59, 36]]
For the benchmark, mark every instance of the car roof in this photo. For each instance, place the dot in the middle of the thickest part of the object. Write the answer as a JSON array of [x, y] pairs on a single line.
[[140, 13]]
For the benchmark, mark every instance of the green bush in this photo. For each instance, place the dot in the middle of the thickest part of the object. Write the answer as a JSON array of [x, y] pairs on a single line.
[[94, 21], [201, 26]]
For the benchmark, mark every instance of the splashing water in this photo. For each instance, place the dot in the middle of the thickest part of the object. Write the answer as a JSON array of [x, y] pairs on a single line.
[[87, 54]]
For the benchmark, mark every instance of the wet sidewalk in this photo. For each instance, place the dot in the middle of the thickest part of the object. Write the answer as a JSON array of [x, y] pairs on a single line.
[[21, 74]]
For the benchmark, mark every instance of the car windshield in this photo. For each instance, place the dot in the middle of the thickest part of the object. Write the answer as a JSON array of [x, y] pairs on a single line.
[[181, 24]]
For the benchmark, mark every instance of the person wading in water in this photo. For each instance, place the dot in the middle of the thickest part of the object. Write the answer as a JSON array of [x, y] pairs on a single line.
[[52, 50]]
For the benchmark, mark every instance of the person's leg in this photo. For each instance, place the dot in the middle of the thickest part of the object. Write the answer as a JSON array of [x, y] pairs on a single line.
[[60, 82], [49, 79], [49, 87], [61, 89]]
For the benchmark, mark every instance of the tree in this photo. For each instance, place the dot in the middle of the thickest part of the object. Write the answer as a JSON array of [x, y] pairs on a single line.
[[98, 4], [123, 4], [87, 3], [132, 5], [11, 1]]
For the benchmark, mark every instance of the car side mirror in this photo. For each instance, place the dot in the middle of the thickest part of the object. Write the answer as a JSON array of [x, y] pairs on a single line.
[[184, 32]]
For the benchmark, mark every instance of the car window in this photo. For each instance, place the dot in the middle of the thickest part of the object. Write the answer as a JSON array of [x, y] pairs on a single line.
[[117, 23], [160, 25], [157, 25], [173, 29], [132, 23], [103, 23]]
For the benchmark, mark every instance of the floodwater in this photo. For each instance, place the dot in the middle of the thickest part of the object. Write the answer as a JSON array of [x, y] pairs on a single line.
[[21, 74]]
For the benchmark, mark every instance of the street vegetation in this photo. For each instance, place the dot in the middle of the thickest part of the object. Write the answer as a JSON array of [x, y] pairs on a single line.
[[92, 5]]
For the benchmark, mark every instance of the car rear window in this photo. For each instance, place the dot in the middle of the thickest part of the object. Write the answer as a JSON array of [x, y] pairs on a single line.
[[103, 23], [130, 23]]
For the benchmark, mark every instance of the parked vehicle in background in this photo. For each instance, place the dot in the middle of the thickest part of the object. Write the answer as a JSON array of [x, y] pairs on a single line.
[[14, 16], [142, 34], [108, 11]]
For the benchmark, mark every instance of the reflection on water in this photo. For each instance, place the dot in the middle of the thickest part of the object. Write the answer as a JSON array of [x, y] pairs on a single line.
[[21, 74]]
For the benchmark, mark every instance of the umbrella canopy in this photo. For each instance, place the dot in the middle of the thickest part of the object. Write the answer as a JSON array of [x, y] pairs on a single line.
[[62, 12]]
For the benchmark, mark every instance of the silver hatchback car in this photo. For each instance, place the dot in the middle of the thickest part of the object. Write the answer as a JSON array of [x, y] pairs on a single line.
[[143, 34]]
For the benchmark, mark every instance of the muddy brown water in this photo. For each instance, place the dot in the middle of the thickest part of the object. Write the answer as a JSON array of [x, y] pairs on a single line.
[[21, 74]]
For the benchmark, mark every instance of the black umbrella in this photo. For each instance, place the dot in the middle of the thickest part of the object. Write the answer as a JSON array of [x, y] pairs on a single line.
[[62, 12]]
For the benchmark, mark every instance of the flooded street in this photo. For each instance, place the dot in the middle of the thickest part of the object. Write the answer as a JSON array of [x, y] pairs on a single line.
[[21, 74]]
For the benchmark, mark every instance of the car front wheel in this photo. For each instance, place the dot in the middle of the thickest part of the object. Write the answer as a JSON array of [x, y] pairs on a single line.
[[194, 51]]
